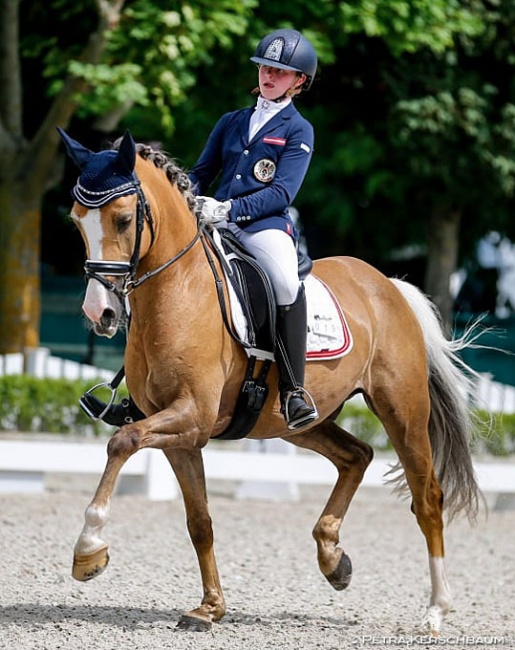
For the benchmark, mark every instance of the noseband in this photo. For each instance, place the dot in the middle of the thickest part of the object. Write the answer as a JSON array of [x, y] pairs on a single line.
[[98, 269]]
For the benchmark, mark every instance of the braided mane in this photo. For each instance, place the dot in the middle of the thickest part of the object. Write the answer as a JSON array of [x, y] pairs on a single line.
[[177, 176]]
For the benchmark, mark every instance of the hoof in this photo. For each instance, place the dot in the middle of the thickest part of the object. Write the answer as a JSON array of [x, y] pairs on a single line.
[[194, 624], [86, 567], [341, 577], [432, 621]]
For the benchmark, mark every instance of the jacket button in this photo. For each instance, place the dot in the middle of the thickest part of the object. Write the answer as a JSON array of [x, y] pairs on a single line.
[[238, 177]]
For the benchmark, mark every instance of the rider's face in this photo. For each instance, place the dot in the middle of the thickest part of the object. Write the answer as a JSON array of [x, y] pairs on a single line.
[[274, 82]]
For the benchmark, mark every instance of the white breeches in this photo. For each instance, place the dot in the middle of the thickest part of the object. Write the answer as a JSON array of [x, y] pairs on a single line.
[[275, 252]]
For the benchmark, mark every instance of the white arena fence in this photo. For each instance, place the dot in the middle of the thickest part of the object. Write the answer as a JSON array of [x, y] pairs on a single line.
[[271, 469], [38, 362]]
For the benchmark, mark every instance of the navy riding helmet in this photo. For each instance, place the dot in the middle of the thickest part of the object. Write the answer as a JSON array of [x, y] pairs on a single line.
[[287, 49]]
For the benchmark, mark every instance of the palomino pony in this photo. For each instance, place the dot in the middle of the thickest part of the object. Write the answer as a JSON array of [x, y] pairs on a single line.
[[184, 370]]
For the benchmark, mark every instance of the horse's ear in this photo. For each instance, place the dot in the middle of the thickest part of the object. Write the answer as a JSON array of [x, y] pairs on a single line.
[[126, 158], [79, 154]]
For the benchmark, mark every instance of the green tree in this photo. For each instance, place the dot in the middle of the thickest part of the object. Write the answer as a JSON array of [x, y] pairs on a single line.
[[100, 59], [26, 165], [456, 136], [139, 60], [422, 142]]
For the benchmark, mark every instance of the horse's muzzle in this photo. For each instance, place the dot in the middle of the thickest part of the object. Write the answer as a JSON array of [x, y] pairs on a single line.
[[108, 325]]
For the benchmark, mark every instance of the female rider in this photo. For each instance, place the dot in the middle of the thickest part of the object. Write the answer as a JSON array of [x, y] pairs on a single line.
[[261, 155]]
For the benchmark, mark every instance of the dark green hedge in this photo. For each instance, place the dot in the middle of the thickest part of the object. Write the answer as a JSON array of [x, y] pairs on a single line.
[[496, 432], [30, 404]]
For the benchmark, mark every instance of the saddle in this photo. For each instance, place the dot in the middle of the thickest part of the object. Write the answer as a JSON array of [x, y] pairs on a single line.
[[250, 285]]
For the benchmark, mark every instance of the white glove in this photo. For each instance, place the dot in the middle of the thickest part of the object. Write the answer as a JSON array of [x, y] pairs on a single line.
[[211, 210]]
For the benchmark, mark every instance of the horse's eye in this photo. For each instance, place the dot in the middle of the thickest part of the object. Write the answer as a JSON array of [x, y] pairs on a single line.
[[123, 222]]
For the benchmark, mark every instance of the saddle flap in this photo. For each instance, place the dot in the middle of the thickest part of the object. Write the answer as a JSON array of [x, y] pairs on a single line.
[[252, 288]]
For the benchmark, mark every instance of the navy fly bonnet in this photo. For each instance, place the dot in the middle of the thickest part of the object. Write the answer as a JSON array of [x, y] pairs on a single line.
[[105, 175]]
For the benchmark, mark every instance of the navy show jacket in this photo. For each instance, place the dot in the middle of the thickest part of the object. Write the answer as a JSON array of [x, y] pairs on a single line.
[[261, 177]]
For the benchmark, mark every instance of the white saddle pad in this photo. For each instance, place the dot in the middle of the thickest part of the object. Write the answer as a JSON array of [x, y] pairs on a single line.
[[329, 336]]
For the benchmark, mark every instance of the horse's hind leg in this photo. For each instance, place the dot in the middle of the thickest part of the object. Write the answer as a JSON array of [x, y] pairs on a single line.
[[405, 416], [351, 457]]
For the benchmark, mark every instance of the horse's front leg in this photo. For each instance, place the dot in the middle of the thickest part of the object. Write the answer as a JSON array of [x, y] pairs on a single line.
[[157, 431], [91, 551], [189, 470]]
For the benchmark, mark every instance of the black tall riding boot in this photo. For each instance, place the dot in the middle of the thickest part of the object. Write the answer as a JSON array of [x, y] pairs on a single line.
[[290, 356]]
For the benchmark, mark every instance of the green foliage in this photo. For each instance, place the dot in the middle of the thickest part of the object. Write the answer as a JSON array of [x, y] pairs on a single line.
[[413, 104], [163, 47], [114, 86], [421, 110], [499, 439], [154, 54], [452, 134], [30, 404], [363, 424], [151, 55], [495, 433], [408, 25]]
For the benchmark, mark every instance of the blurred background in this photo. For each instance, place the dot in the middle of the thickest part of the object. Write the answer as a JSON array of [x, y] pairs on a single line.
[[413, 108]]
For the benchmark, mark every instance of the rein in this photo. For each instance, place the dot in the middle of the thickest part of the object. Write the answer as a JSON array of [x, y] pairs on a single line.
[[98, 269], [131, 284]]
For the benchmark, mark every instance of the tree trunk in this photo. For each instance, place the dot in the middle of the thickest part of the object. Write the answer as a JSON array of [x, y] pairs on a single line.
[[442, 240], [26, 170], [20, 304]]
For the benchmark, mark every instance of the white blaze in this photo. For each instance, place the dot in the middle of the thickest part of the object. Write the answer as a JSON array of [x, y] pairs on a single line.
[[97, 297]]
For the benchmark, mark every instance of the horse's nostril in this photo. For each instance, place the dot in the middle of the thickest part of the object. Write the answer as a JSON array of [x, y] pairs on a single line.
[[108, 316]]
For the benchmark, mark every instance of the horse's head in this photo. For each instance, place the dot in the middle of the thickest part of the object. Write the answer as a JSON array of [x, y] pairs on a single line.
[[107, 211]]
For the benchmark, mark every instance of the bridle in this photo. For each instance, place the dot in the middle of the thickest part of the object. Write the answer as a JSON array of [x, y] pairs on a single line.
[[98, 269]]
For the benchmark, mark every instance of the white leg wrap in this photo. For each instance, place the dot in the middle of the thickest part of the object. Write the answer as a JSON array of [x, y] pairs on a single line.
[[440, 602]]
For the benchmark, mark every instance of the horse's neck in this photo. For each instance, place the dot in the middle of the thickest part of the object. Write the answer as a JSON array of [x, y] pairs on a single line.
[[174, 257], [174, 260], [175, 227]]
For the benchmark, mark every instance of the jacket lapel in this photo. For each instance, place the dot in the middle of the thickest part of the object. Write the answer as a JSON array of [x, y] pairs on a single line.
[[243, 126]]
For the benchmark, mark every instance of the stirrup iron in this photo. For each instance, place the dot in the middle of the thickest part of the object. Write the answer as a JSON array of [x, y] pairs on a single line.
[[113, 414], [310, 402], [87, 405]]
